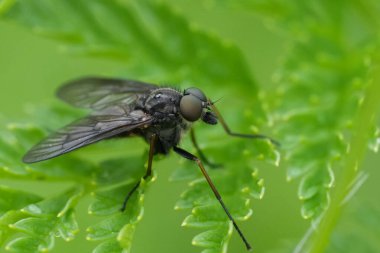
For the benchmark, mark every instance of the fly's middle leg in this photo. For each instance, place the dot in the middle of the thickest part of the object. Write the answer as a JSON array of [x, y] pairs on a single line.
[[148, 172]]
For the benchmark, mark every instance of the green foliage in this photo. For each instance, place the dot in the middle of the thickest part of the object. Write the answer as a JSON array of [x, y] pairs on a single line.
[[324, 104], [115, 231], [34, 227], [329, 69], [169, 50], [30, 223], [237, 182], [321, 83]]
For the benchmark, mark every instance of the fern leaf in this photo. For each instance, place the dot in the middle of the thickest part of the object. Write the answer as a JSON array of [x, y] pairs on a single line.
[[321, 83], [117, 229], [168, 50], [327, 73], [11, 198], [237, 183], [37, 224]]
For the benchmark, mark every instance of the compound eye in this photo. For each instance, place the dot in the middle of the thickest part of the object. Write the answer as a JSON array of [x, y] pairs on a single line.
[[190, 107], [196, 92]]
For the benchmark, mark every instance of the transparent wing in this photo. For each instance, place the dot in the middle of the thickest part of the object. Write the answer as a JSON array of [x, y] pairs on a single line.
[[84, 132], [98, 93]]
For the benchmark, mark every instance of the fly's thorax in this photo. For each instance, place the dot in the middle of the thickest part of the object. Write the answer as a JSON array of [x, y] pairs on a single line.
[[163, 103]]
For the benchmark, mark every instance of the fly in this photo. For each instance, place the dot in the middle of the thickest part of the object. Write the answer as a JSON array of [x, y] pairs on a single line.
[[124, 107]]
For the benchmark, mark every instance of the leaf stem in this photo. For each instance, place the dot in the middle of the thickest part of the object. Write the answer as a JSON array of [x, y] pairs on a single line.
[[358, 146]]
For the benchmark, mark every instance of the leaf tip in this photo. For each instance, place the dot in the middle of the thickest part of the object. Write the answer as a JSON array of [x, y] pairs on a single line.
[[277, 158], [32, 209], [184, 222], [260, 182], [245, 189], [69, 239], [248, 215]]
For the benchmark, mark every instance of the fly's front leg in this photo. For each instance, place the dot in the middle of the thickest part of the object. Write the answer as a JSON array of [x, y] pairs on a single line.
[[229, 132], [148, 172], [200, 153]]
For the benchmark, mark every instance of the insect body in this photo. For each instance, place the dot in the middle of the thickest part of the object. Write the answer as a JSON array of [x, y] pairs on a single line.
[[121, 107]]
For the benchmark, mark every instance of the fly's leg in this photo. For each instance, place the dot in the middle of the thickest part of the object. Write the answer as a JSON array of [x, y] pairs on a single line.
[[229, 132], [148, 172], [200, 153], [192, 157]]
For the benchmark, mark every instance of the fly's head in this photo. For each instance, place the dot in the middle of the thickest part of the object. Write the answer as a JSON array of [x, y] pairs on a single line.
[[194, 105]]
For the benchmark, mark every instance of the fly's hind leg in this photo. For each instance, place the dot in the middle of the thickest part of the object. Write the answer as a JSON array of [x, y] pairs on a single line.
[[148, 172], [195, 159]]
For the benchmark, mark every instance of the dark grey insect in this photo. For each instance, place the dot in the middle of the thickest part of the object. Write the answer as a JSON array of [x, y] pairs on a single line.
[[131, 108]]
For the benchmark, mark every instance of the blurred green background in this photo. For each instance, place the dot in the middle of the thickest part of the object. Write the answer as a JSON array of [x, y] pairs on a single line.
[[32, 68]]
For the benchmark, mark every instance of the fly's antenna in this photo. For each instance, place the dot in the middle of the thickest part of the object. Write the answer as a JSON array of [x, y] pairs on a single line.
[[216, 101]]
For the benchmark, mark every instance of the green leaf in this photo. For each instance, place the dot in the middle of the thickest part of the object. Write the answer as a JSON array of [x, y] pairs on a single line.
[[68, 226], [43, 221], [110, 246], [40, 230], [237, 183], [18, 139], [374, 142], [124, 34], [214, 240], [117, 229], [321, 84], [170, 49], [55, 216], [5, 220], [33, 226], [324, 107], [325, 102], [125, 236], [112, 171], [23, 244], [12, 199], [56, 206]]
